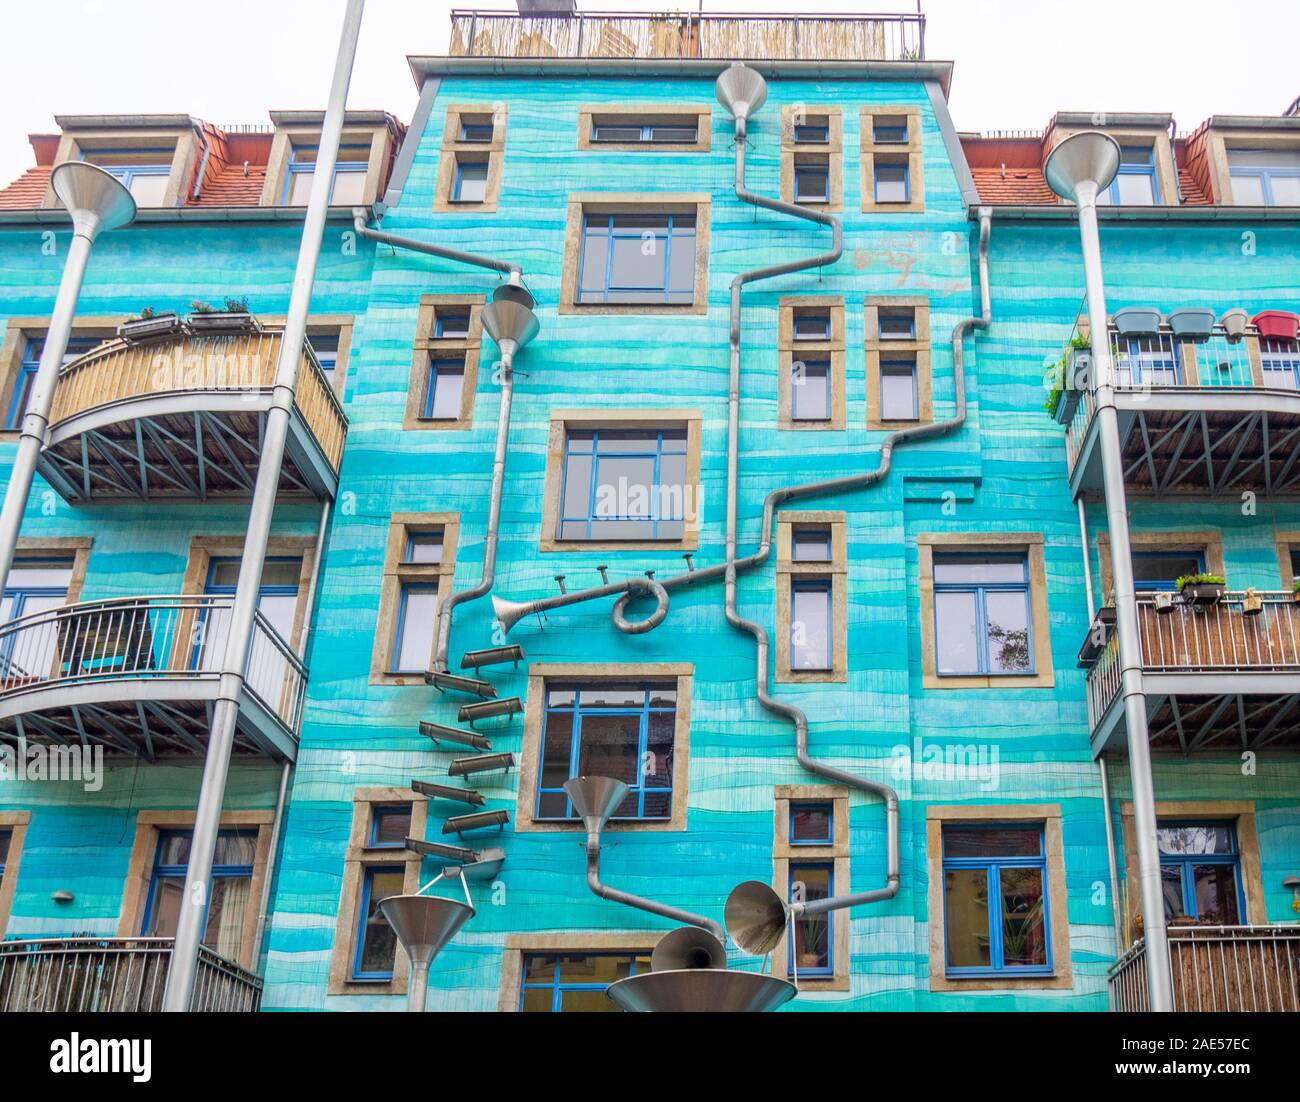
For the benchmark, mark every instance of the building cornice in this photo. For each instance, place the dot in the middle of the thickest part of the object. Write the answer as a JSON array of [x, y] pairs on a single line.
[[58, 218]]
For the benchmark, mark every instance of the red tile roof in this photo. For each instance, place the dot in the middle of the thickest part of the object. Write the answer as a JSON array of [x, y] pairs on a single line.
[[26, 192], [1012, 185]]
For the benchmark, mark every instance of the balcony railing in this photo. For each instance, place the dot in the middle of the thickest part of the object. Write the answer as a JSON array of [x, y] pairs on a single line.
[[114, 975], [141, 638], [1218, 969], [652, 35]]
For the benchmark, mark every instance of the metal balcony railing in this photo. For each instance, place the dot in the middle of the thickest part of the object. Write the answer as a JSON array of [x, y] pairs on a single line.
[[139, 638], [83, 975], [1217, 969], [867, 37]]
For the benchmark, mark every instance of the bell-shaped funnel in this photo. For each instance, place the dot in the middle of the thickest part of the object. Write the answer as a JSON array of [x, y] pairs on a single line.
[[1083, 159], [755, 916], [741, 90], [509, 318], [96, 199], [424, 923], [594, 799], [688, 947], [701, 990]]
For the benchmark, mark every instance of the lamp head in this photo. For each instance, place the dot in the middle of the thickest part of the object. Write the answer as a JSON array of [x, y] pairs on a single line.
[[1082, 165], [97, 200]]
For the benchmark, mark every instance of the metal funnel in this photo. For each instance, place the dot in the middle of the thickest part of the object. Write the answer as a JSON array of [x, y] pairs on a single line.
[[701, 990], [1083, 159], [594, 799], [741, 90], [755, 916], [509, 318], [424, 923], [97, 200], [508, 613], [688, 947]]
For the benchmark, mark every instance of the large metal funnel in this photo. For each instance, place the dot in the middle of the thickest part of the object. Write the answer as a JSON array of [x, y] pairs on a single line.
[[1088, 160], [755, 916], [741, 90], [701, 990], [508, 613], [96, 199], [509, 318], [688, 947], [594, 799], [424, 923]]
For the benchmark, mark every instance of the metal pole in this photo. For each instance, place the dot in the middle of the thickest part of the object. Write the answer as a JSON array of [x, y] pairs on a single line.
[[207, 818], [264, 904], [1110, 857], [1159, 981], [419, 988]]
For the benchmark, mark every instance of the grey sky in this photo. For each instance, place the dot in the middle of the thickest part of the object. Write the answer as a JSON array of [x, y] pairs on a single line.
[[1017, 61]]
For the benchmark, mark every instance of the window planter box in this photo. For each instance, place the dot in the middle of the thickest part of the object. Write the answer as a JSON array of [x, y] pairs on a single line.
[[1098, 636], [1277, 325], [1234, 323], [1066, 406], [220, 321], [1202, 593], [143, 329], [1193, 324], [1137, 321]]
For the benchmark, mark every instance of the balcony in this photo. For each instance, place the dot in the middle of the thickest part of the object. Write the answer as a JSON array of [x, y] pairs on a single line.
[[82, 975], [722, 37], [1218, 969], [182, 419], [1215, 677], [1210, 418], [140, 677]]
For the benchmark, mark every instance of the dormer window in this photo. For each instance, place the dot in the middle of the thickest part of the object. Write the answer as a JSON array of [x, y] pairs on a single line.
[[1265, 177], [1135, 183], [349, 175], [144, 172]]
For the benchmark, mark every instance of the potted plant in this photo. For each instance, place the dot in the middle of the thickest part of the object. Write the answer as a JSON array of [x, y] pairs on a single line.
[[1295, 590], [1070, 381], [150, 324], [233, 318], [1277, 325], [1202, 589], [1192, 323], [1137, 321], [1164, 603], [1251, 604], [1234, 323]]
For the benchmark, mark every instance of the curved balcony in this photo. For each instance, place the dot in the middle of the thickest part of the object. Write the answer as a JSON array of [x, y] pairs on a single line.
[[182, 419], [139, 676]]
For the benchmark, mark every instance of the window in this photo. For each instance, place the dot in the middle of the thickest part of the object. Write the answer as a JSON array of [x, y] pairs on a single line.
[[423, 547], [811, 950], [277, 602], [444, 394], [615, 129], [450, 322], [810, 545], [982, 614], [471, 180], [143, 172], [229, 893], [810, 390], [390, 826], [1280, 361], [1265, 178], [1135, 184], [810, 624], [889, 129], [575, 982], [811, 824], [994, 895], [892, 162], [350, 169], [1160, 570], [1200, 871], [897, 324], [812, 324], [625, 731], [326, 347], [811, 597], [476, 129], [812, 179], [419, 560], [5, 838], [376, 941], [891, 181], [1146, 361], [33, 586], [637, 258], [417, 611], [31, 361], [623, 484], [898, 397], [1295, 563], [815, 130]]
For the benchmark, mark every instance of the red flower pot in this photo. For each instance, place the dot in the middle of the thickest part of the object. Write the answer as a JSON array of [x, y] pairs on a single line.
[[1277, 325]]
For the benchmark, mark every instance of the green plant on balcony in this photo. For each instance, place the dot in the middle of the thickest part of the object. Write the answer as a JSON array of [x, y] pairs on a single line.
[[1063, 398], [198, 306], [1295, 589], [1202, 589]]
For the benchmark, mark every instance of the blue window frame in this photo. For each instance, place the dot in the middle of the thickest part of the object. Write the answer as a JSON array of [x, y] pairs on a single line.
[[623, 484], [417, 613], [423, 548], [1280, 361], [445, 394], [451, 322], [982, 622], [376, 946], [810, 390], [896, 324], [33, 585], [893, 182], [575, 982], [812, 823], [812, 949], [625, 731], [1268, 178], [644, 258], [889, 130], [812, 324], [898, 397], [810, 624], [1200, 871], [817, 132], [478, 129], [277, 601], [1146, 361], [996, 919], [1159, 571], [1136, 184], [390, 826], [31, 361], [229, 890], [143, 172], [349, 184], [812, 180], [326, 347], [810, 545], [470, 184], [629, 131]]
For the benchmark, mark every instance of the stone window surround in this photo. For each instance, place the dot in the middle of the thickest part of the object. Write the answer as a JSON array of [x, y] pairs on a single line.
[[911, 150], [832, 149], [1208, 542], [1220, 139], [936, 815], [396, 573], [1287, 541], [287, 135], [75, 143], [149, 825], [836, 854], [452, 147], [1031, 544], [660, 113], [918, 347], [578, 942], [790, 351], [581, 203], [539, 673], [563, 419], [16, 822], [358, 857], [38, 547], [787, 570], [427, 346]]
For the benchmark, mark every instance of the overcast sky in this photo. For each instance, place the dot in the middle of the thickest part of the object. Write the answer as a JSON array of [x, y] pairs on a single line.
[[1017, 61]]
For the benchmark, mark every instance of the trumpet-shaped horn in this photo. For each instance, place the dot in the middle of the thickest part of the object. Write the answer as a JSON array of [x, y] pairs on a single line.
[[755, 916], [509, 613], [687, 948]]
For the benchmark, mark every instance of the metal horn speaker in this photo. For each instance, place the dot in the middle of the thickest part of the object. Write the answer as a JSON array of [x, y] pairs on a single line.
[[97, 200], [755, 916], [686, 948], [509, 613], [1082, 165]]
